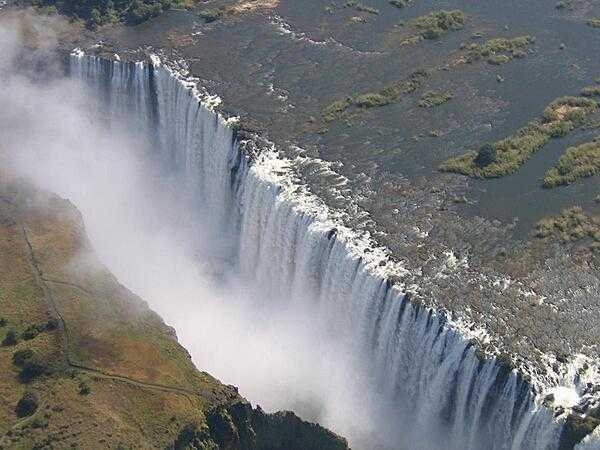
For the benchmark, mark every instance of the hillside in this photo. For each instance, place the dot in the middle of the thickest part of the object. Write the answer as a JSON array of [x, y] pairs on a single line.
[[87, 364]]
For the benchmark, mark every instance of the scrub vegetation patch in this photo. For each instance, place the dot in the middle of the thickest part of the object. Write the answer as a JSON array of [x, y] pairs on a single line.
[[504, 157]]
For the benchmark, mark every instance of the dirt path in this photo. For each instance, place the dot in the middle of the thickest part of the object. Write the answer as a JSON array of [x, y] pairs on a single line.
[[67, 361]]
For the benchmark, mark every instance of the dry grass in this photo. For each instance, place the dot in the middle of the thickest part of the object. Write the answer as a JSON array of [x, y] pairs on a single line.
[[247, 6], [111, 330]]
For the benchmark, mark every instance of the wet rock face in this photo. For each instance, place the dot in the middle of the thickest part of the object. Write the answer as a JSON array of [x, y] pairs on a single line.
[[239, 427], [577, 427]]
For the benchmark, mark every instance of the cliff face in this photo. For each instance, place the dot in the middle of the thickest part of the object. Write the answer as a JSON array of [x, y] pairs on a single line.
[[86, 363]]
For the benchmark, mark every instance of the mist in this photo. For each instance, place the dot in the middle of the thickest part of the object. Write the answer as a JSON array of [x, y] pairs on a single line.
[[161, 244]]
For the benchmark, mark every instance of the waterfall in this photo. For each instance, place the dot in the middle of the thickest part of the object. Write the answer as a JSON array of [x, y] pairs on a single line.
[[434, 391]]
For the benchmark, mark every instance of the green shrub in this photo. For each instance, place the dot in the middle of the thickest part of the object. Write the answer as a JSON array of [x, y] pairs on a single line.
[[577, 162], [3, 322], [435, 98], [400, 3], [572, 225], [560, 129], [30, 333], [210, 15], [563, 4], [486, 155], [52, 324], [594, 23], [84, 388], [590, 91], [33, 330], [101, 12], [437, 23], [497, 60], [370, 100], [389, 94], [11, 338], [360, 7], [559, 118], [39, 422], [498, 50], [33, 368], [27, 405], [20, 357]]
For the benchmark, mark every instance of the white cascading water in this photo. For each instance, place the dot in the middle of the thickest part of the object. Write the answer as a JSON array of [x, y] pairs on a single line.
[[430, 388]]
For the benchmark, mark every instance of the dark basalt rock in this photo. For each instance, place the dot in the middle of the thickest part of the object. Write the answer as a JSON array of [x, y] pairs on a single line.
[[576, 428], [239, 427]]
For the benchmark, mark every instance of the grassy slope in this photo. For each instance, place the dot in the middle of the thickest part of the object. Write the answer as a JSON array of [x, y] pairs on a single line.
[[109, 329], [143, 390]]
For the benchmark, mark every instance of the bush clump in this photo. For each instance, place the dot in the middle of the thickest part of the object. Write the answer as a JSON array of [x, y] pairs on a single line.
[[497, 60], [563, 4], [572, 225], [486, 155], [20, 357], [210, 15], [385, 96], [437, 23], [435, 98], [590, 91], [3, 322], [370, 100], [11, 338], [32, 367], [27, 405], [558, 119], [102, 12], [577, 162], [360, 7], [594, 23], [32, 331], [400, 3], [84, 388], [499, 51]]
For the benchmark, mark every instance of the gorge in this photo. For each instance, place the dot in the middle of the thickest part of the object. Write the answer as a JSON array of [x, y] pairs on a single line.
[[415, 383], [307, 272]]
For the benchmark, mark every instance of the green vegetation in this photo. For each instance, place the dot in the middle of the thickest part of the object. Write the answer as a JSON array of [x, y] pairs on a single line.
[[591, 91], [435, 98], [437, 23], [20, 357], [499, 51], [558, 119], [27, 405], [577, 162], [102, 12], [486, 156], [84, 388], [33, 330], [210, 15], [389, 94], [3, 322], [32, 368], [11, 338], [400, 3], [563, 4], [572, 225], [360, 7], [497, 60], [594, 23]]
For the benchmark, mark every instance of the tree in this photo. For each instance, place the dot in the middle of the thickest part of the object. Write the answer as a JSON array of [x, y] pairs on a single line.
[[486, 155], [10, 339], [27, 405]]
